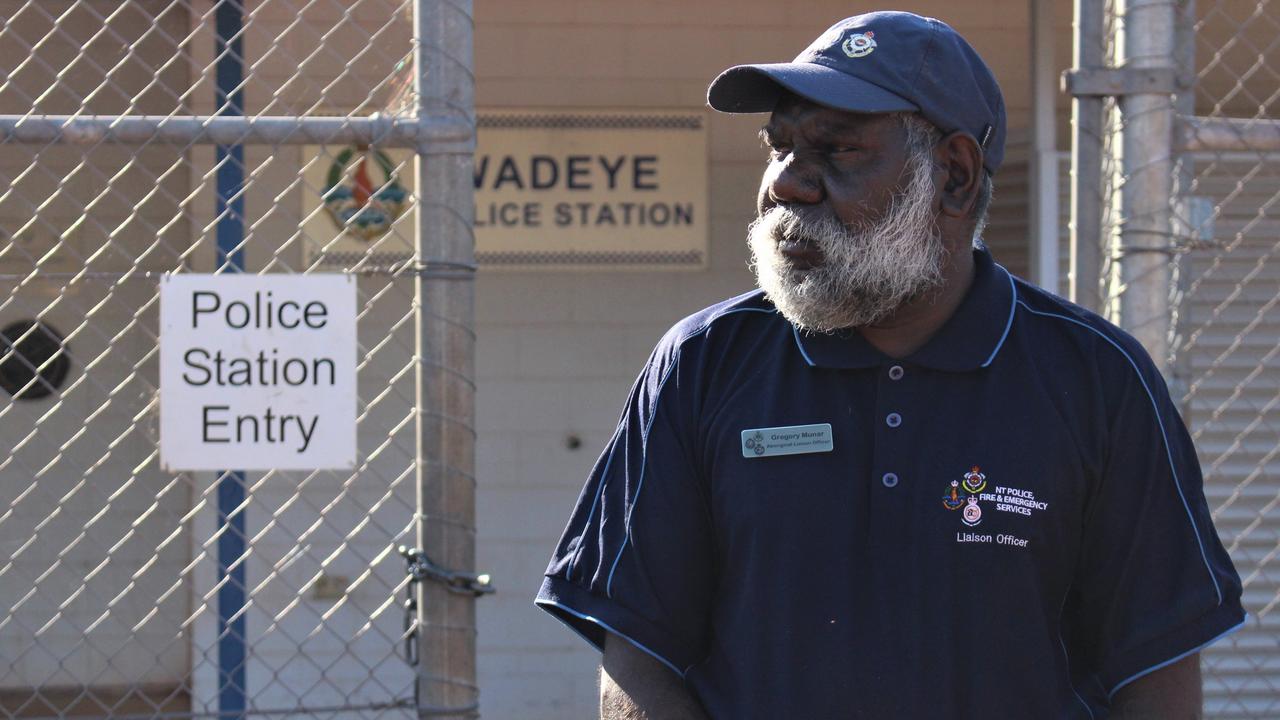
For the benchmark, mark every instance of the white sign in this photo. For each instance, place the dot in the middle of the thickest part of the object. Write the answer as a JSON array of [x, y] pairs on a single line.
[[257, 372]]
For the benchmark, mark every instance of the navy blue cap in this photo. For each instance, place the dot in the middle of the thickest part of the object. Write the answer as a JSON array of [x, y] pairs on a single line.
[[881, 62]]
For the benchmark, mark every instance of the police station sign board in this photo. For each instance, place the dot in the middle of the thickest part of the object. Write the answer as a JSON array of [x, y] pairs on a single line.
[[554, 189], [257, 372]]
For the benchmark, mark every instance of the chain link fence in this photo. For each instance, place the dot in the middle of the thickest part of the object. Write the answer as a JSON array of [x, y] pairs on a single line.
[[1227, 325], [140, 138], [1177, 238]]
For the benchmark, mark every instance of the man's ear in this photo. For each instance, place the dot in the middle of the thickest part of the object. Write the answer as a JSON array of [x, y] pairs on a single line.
[[959, 156]]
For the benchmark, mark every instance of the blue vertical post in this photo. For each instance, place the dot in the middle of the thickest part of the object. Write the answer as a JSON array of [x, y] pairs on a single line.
[[229, 50]]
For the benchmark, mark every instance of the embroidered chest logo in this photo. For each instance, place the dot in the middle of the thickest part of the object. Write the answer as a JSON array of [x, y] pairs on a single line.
[[859, 44], [978, 500], [952, 500], [966, 494], [974, 480]]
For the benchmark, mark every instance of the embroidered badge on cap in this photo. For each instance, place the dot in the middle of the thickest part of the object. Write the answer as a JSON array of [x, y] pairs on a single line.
[[859, 44], [787, 440]]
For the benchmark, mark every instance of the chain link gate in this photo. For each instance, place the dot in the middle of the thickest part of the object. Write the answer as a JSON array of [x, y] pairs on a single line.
[[145, 137], [1176, 236]]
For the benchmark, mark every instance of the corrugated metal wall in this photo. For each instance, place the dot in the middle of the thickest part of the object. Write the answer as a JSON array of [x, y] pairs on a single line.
[[1231, 351]]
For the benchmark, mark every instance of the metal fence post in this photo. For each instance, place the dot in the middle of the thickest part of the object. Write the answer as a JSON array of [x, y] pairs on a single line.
[[1191, 215], [1146, 127], [1086, 161], [232, 580], [445, 253], [1045, 219]]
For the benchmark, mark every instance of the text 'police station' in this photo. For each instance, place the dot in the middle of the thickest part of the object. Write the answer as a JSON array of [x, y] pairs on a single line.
[[576, 173], [268, 368]]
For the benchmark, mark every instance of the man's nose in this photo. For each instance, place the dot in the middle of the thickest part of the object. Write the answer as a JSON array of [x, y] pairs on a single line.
[[794, 180]]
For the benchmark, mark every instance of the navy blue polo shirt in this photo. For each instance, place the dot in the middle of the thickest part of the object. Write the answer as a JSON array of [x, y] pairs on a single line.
[[1009, 523]]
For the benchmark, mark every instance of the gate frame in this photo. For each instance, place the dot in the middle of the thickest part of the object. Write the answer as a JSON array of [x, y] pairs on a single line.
[[442, 132]]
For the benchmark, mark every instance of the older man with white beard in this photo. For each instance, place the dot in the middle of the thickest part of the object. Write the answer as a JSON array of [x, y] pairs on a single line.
[[867, 269], [894, 482]]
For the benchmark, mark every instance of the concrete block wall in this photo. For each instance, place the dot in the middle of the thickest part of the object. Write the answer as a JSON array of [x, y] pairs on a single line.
[[557, 352], [91, 531]]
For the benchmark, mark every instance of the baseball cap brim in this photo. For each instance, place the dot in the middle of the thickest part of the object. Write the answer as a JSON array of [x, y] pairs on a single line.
[[756, 88]]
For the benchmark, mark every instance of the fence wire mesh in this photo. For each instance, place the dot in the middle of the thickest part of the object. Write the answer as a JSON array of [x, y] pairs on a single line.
[[1228, 332], [110, 574], [1190, 262]]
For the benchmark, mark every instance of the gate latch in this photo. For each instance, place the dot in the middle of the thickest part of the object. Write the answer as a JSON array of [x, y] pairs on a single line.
[[420, 567]]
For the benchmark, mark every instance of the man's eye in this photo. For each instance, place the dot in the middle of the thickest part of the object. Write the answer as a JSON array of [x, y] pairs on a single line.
[[843, 150]]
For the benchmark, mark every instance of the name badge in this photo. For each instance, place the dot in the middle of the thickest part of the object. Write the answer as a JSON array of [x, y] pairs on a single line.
[[788, 440]]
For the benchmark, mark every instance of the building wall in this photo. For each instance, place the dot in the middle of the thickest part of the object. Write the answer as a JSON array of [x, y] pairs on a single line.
[[557, 352], [96, 210]]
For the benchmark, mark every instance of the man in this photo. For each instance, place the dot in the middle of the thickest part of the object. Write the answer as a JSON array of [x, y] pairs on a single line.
[[896, 482]]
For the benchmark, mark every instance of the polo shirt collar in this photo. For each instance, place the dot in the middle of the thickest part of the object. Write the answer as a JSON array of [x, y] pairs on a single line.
[[969, 340]]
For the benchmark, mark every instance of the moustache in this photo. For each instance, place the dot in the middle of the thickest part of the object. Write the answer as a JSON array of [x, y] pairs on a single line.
[[786, 224]]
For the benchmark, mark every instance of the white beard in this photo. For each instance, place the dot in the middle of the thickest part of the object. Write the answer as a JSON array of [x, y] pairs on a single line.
[[866, 272]]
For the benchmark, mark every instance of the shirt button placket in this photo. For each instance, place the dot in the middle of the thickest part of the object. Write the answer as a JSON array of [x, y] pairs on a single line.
[[891, 493]]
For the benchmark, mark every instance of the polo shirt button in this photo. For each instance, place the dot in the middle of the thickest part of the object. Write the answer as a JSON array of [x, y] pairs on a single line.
[[895, 372], [889, 480], [893, 420]]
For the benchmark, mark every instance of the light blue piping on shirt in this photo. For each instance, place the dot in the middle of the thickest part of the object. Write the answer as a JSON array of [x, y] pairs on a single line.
[[1176, 658], [1069, 683], [1067, 656], [577, 555], [796, 334], [1013, 306], [1160, 422], [644, 441], [606, 626]]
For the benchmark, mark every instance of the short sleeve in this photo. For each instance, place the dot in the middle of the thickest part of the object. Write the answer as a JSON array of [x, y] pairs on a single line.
[[1153, 583], [636, 557]]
